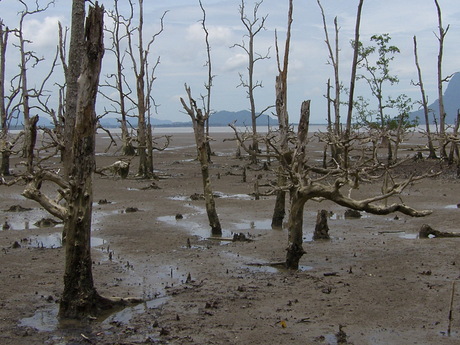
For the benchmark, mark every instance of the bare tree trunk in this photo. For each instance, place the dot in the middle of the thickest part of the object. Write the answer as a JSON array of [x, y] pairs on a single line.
[[253, 26], [295, 239], [283, 122], [442, 111], [354, 66], [24, 91], [295, 225], [321, 228], [199, 128], [4, 146], [140, 88], [32, 139], [213, 218], [73, 72], [80, 297], [431, 150]]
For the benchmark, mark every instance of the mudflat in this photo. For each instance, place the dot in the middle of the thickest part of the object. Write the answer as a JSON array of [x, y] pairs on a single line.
[[374, 282]]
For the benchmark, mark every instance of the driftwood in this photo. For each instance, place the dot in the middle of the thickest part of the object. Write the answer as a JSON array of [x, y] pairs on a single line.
[[426, 231]]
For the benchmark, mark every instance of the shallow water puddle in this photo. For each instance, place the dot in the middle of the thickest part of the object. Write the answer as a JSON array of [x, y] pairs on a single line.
[[270, 268], [400, 234], [194, 228], [125, 315], [265, 224], [46, 319], [54, 240], [216, 195]]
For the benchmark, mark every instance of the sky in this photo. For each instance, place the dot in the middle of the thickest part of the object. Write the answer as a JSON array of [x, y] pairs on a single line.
[[182, 51]]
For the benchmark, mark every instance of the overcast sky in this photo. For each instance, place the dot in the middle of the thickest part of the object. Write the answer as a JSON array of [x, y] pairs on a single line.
[[181, 47]]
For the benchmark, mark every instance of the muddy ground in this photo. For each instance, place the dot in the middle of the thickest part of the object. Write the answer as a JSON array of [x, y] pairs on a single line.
[[375, 279]]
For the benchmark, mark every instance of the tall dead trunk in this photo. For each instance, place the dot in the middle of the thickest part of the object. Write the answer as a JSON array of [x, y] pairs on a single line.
[[351, 94], [126, 140], [441, 80], [80, 297], [32, 130], [253, 26], [295, 224], [4, 145], [213, 218], [199, 128], [141, 108], [283, 123], [72, 73], [426, 112], [24, 89]]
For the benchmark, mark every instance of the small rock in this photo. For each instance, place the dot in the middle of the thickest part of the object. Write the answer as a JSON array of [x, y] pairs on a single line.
[[196, 196], [352, 214], [17, 208], [46, 222]]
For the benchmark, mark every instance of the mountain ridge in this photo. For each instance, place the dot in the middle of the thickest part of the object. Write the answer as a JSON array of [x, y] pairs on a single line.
[[451, 103]]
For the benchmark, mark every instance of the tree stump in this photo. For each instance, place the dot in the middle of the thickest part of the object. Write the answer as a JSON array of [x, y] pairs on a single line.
[[321, 228]]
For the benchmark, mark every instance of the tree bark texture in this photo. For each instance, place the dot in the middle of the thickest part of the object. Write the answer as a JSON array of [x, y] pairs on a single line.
[[442, 111], [321, 227], [4, 146], [73, 72], [200, 137], [80, 297], [295, 239]]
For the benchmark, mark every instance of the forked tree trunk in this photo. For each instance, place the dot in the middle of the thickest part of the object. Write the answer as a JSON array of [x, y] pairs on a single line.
[[80, 297], [72, 74]]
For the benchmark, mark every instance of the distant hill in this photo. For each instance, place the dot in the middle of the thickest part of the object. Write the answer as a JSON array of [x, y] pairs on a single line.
[[451, 103], [220, 118], [241, 118]]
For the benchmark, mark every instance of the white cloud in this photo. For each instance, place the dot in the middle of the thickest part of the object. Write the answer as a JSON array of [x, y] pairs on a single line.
[[43, 33], [236, 62]]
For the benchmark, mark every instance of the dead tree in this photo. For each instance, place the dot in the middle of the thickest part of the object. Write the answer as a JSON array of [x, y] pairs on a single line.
[[424, 102], [5, 146], [120, 84], [28, 59], [143, 92], [253, 26], [72, 72], [199, 123], [442, 112], [199, 119], [347, 137], [73, 204], [283, 121], [80, 297], [334, 131], [308, 182]]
